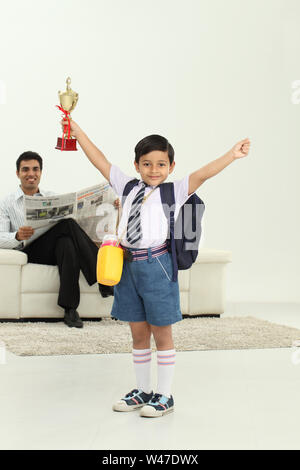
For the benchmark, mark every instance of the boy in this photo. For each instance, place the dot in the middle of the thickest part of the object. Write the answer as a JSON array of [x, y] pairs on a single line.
[[146, 296]]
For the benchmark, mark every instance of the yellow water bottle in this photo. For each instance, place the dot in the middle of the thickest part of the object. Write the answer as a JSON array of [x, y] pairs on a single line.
[[109, 261]]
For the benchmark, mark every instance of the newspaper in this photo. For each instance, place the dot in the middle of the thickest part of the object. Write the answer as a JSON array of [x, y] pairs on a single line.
[[93, 208]]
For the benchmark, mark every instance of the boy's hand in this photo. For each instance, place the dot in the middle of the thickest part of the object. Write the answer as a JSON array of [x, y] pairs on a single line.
[[117, 203], [74, 128], [241, 149]]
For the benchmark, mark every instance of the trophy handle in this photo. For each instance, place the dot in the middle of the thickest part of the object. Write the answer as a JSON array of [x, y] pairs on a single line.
[[75, 101]]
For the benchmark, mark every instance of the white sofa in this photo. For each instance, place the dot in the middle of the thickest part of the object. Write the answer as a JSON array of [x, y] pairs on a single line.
[[31, 290]]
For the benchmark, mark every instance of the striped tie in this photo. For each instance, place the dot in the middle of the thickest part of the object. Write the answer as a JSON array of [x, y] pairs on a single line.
[[134, 230]]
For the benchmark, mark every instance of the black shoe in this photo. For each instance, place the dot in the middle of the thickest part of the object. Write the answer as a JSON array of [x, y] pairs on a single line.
[[72, 318], [105, 291]]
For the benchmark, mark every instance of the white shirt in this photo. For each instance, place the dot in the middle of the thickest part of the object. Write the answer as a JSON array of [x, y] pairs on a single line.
[[12, 217], [154, 223]]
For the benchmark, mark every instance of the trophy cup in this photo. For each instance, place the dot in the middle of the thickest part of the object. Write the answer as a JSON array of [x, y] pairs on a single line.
[[68, 100]]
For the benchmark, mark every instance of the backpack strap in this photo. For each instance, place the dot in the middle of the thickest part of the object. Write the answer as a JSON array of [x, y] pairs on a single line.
[[168, 199], [128, 187]]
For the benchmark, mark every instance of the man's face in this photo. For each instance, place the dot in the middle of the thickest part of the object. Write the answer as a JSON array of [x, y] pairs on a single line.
[[29, 175], [154, 167]]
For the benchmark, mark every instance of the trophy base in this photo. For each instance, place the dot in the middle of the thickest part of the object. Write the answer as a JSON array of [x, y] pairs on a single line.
[[68, 145]]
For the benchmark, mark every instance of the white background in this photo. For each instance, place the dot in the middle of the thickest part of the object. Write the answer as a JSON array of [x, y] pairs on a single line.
[[203, 73]]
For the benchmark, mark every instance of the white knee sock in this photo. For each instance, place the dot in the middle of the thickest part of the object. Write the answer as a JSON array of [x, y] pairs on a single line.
[[165, 371], [142, 367]]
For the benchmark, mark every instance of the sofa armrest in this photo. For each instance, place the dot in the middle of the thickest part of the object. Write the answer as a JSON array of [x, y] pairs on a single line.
[[11, 262], [207, 282], [213, 256], [9, 257]]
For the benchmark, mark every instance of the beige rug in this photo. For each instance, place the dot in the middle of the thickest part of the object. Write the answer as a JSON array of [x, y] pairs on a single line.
[[109, 336]]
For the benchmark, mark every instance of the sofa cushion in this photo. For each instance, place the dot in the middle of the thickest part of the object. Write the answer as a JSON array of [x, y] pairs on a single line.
[[44, 278], [44, 305]]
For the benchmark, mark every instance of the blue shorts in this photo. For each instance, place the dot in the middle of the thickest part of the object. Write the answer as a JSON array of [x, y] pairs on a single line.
[[146, 292]]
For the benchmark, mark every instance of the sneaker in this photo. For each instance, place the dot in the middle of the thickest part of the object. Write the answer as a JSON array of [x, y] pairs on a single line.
[[133, 400], [72, 318], [159, 405]]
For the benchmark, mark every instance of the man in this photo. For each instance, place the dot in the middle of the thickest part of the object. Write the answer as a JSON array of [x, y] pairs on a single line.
[[65, 245]]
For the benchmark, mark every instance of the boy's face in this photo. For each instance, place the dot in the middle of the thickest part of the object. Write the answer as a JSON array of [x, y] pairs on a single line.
[[154, 167]]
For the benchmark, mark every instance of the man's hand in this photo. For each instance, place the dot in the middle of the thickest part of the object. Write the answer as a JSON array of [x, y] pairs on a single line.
[[24, 233], [241, 149]]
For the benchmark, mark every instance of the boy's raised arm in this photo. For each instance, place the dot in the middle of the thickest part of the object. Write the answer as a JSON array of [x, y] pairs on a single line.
[[241, 149], [96, 157]]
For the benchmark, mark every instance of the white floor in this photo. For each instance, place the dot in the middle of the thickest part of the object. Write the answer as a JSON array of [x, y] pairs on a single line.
[[247, 399]]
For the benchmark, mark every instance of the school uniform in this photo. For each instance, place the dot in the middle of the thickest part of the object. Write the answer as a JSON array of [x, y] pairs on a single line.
[[146, 291]]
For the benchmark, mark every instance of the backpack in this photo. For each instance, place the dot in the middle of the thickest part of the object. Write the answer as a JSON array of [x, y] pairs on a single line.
[[184, 234]]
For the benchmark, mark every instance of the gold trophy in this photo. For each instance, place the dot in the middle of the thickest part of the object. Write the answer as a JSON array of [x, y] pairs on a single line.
[[68, 100]]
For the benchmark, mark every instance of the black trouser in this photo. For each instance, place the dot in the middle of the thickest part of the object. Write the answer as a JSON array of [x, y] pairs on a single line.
[[69, 247]]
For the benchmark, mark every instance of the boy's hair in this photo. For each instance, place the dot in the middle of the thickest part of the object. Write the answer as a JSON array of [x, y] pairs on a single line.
[[29, 156], [153, 142]]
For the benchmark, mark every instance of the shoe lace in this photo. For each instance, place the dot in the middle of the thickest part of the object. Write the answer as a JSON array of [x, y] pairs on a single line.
[[156, 398]]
